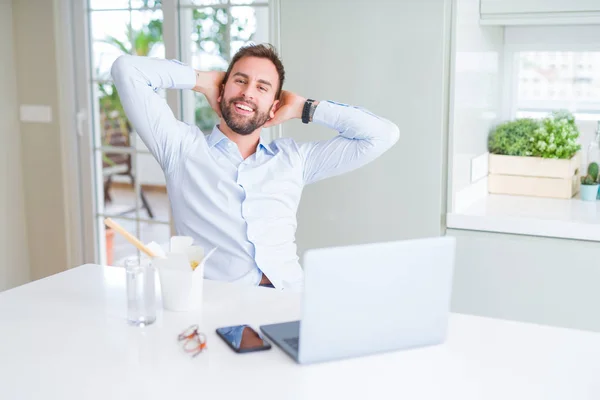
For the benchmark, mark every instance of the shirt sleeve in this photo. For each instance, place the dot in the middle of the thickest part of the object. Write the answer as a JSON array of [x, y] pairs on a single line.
[[137, 80], [362, 137]]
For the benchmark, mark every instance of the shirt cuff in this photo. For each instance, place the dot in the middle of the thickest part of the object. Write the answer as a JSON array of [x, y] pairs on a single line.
[[327, 113]]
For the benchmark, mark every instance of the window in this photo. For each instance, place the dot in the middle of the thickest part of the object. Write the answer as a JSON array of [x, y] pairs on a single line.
[[126, 183], [542, 69], [550, 80], [211, 32]]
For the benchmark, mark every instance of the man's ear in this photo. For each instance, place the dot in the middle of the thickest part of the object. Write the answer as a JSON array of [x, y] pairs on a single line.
[[221, 92], [273, 109]]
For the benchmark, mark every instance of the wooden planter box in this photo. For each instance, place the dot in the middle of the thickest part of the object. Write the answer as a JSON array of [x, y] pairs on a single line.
[[534, 176]]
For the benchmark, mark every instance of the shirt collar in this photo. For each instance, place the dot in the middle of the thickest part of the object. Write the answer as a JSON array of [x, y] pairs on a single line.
[[261, 143], [217, 136]]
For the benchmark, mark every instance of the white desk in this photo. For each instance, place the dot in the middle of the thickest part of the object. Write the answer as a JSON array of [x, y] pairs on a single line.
[[65, 337]]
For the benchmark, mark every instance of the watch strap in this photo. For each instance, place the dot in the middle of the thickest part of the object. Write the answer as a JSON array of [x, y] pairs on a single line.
[[306, 115]]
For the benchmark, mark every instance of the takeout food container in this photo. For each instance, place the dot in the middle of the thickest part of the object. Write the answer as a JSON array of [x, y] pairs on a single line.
[[181, 273]]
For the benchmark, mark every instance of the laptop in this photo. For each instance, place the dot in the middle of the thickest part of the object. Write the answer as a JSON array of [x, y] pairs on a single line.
[[371, 298]]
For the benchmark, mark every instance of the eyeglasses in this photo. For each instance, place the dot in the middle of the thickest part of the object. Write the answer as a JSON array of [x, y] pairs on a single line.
[[193, 340]]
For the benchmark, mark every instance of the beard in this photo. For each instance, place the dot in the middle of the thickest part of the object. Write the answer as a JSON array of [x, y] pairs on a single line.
[[242, 124]]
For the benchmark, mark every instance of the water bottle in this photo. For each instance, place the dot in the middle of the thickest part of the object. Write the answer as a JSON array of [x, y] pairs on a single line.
[[593, 151]]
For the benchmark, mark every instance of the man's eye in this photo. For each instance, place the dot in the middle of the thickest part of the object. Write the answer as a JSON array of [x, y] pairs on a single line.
[[262, 88], [240, 81]]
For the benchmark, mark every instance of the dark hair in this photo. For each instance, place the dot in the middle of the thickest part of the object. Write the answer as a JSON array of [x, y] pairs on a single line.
[[261, 51]]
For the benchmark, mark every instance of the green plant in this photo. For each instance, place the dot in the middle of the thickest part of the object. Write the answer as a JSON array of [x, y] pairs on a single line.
[[593, 171], [142, 40], [593, 175], [108, 161], [556, 136], [513, 138], [588, 180]]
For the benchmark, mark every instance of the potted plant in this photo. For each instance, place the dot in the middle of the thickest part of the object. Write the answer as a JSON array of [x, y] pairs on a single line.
[[590, 183], [535, 158]]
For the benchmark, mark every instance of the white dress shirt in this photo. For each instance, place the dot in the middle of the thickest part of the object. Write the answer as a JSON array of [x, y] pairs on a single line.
[[246, 208]]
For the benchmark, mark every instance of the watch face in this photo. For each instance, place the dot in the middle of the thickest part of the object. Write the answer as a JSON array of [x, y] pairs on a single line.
[[313, 107]]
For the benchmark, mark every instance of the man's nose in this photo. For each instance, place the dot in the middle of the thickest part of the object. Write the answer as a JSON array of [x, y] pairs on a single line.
[[248, 93]]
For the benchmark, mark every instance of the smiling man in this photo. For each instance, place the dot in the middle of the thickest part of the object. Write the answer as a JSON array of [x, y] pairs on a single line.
[[231, 189]]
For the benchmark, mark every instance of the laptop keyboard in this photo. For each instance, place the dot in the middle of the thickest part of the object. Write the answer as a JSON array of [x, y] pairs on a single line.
[[292, 342]]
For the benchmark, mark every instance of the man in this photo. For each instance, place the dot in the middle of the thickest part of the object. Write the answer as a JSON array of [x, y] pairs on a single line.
[[231, 189]]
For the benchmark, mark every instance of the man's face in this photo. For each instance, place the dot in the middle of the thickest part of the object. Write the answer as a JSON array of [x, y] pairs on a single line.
[[248, 97]]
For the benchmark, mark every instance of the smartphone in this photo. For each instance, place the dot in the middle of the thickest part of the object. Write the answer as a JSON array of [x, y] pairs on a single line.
[[243, 339]]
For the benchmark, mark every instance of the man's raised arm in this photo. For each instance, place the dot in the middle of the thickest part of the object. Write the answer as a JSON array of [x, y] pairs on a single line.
[[362, 137], [137, 80]]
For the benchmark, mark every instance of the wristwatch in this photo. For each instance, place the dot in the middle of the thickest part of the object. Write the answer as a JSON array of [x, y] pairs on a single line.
[[308, 111]]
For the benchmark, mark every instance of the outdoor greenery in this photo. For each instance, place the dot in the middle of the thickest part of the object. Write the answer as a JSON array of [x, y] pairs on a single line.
[[212, 34], [555, 136], [142, 42]]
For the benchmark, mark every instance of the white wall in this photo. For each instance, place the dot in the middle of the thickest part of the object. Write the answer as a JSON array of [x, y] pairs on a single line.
[[14, 262], [476, 87], [42, 157], [393, 59]]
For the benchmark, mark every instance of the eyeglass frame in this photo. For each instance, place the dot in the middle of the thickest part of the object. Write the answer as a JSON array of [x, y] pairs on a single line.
[[193, 335]]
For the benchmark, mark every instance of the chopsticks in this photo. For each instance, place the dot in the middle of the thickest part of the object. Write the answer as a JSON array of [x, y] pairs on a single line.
[[130, 238]]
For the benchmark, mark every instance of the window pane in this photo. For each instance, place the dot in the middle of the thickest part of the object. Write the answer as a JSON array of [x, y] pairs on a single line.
[[153, 188], [205, 117], [109, 4], [114, 127], [117, 197], [553, 80], [110, 40], [104, 56], [202, 2], [210, 39], [248, 24], [209, 51], [250, 2], [146, 3], [147, 33]]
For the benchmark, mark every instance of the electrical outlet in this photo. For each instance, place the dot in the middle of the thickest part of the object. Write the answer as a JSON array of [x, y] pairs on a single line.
[[36, 113]]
